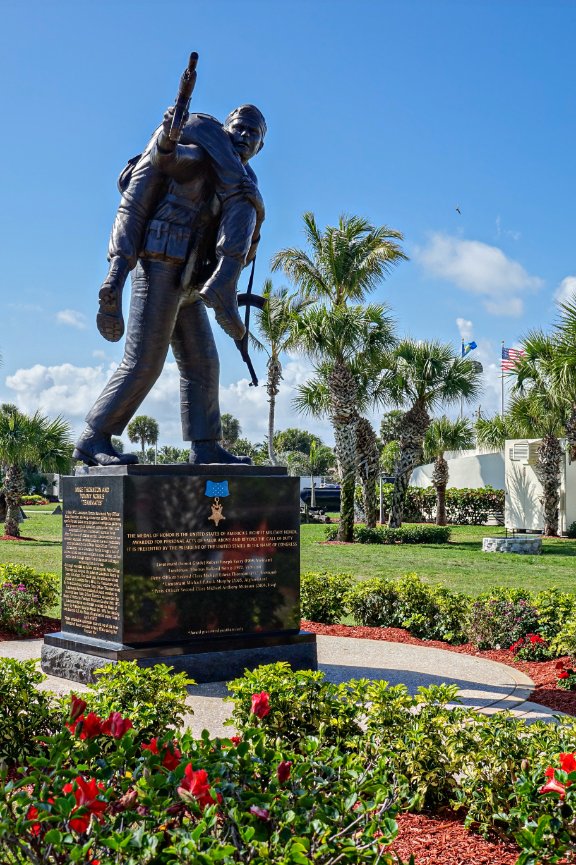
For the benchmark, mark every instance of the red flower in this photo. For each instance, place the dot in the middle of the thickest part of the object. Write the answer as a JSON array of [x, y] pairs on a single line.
[[554, 786], [171, 757], [89, 726], [32, 814], [563, 674], [283, 770], [261, 813], [568, 764], [115, 725], [77, 707], [85, 793], [260, 704], [535, 638], [195, 786], [235, 739]]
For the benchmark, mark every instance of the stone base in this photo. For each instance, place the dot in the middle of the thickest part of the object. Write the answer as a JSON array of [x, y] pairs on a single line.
[[526, 544], [77, 658]]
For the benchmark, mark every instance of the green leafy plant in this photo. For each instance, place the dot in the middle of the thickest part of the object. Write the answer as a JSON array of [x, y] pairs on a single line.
[[153, 697], [571, 530], [322, 596], [555, 609], [18, 606], [565, 641], [565, 677], [27, 714], [44, 585]]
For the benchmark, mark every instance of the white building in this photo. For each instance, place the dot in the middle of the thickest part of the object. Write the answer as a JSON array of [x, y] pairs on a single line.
[[524, 491], [468, 470]]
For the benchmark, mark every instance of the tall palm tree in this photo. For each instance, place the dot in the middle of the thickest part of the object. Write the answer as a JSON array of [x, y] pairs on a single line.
[[29, 440], [340, 339], [344, 262], [563, 368], [143, 429], [444, 435], [276, 323], [422, 376]]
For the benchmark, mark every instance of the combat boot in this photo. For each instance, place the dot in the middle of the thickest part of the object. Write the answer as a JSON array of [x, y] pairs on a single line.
[[109, 319], [208, 451], [219, 294], [96, 449]]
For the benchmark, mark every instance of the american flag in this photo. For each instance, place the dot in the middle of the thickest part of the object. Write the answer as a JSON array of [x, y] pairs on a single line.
[[510, 357]]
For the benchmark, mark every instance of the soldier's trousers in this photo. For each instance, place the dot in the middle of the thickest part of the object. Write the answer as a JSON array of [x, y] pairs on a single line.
[[162, 314]]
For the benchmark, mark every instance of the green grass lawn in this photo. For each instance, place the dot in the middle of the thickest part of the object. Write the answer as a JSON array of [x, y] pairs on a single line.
[[44, 553], [461, 565]]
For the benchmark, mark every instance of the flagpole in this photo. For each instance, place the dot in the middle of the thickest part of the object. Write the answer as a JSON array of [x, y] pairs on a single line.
[[502, 381]]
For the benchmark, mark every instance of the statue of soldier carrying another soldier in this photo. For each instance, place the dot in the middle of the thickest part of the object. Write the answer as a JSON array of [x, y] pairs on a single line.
[[188, 223]]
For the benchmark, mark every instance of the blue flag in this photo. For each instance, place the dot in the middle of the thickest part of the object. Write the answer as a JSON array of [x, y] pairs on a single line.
[[214, 489], [467, 347]]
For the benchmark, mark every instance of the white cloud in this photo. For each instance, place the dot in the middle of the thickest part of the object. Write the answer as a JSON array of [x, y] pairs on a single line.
[[465, 328], [566, 291], [479, 269], [70, 391], [71, 318], [99, 354]]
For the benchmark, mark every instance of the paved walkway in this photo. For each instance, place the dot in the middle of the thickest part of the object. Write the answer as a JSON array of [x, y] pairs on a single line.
[[483, 685]]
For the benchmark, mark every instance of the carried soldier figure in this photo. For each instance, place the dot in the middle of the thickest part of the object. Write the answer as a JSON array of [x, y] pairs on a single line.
[[187, 224]]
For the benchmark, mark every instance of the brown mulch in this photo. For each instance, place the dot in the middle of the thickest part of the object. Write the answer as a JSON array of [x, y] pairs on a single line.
[[542, 673], [39, 626], [436, 839]]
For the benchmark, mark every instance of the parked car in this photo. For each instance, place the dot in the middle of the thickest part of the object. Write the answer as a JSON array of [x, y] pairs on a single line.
[[327, 497]]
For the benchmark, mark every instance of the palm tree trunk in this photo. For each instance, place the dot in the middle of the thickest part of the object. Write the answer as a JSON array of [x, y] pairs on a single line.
[[13, 490], [272, 389], [368, 466], [440, 482], [413, 428], [571, 434], [548, 472], [344, 420]]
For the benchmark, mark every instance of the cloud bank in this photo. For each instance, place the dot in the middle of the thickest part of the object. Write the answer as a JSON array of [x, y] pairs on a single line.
[[479, 269]]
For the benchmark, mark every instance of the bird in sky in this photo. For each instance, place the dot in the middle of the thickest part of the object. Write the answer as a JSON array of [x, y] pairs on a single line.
[[458, 211]]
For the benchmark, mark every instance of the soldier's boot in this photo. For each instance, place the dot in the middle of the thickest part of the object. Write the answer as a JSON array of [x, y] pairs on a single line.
[[208, 451], [95, 449], [109, 320], [219, 294]]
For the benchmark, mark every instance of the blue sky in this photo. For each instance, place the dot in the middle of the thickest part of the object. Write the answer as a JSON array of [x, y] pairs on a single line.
[[398, 110]]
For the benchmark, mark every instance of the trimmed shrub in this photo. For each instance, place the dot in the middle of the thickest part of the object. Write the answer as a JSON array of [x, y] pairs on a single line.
[[154, 698], [564, 642], [322, 596], [463, 507], [419, 534]]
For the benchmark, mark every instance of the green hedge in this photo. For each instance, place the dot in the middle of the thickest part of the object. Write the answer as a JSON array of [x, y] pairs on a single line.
[[419, 534], [467, 507]]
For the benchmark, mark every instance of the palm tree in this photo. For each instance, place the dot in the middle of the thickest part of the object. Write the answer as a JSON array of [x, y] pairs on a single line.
[[276, 323], [563, 368], [422, 376], [26, 440], [342, 340], [345, 261], [143, 429], [444, 435]]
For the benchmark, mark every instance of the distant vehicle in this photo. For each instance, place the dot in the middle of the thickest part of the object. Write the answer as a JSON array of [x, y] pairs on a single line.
[[327, 497]]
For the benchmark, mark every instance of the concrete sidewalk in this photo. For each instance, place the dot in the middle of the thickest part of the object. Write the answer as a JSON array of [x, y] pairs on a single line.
[[483, 685]]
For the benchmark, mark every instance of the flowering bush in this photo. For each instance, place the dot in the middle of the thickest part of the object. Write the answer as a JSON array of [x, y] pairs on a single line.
[[45, 586], [106, 800], [25, 713], [532, 647], [565, 677], [553, 836], [498, 621], [18, 606]]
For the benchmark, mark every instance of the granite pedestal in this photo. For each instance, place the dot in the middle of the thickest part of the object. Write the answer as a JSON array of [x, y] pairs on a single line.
[[193, 566]]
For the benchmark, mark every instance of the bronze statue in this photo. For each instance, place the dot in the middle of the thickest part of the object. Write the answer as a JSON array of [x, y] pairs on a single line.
[[188, 222]]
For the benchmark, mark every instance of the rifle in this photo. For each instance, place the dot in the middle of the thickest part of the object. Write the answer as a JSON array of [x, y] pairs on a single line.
[[187, 82]]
